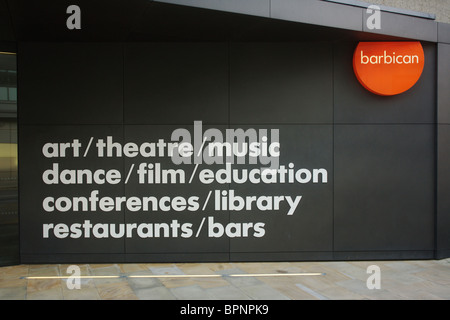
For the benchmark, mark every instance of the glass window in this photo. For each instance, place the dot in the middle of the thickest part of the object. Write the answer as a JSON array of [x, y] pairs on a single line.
[[3, 93], [12, 94], [9, 216]]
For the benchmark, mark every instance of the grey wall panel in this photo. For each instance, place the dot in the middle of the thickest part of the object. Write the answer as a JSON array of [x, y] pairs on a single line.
[[309, 226], [443, 85], [443, 187], [176, 83], [443, 32], [73, 258], [281, 83], [443, 156], [443, 141], [281, 256], [178, 257], [34, 190], [354, 104], [375, 255], [384, 187], [183, 189], [66, 83], [251, 7], [318, 12], [6, 29]]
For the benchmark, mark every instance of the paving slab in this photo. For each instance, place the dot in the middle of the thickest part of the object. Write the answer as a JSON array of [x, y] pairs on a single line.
[[340, 280]]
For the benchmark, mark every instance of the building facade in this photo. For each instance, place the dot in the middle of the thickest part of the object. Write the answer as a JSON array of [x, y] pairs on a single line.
[[157, 131]]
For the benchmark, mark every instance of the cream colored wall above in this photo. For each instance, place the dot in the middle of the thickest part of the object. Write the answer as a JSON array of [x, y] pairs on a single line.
[[441, 8]]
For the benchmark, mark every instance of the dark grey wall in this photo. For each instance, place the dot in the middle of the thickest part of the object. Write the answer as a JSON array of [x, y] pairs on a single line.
[[384, 166], [380, 152], [443, 141]]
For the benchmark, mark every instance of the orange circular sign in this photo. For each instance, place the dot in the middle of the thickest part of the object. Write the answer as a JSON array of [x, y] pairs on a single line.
[[388, 68]]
